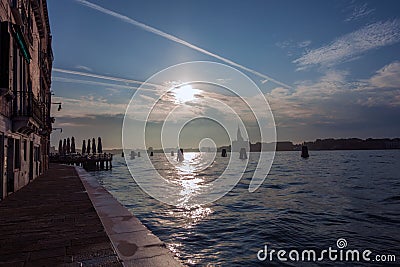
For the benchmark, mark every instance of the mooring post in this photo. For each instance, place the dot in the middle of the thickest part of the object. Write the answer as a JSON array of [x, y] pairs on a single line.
[[223, 154], [304, 152], [243, 154]]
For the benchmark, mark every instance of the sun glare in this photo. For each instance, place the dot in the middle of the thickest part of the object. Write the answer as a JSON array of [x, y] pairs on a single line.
[[185, 93]]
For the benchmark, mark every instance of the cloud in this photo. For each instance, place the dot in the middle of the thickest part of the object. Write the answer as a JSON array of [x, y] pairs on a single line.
[[71, 124], [358, 12], [85, 106], [387, 77], [304, 43], [176, 40], [333, 99], [292, 44], [223, 80], [383, 88], [333, 81], [293, 47], [352, 45], [108, 127], [330, 105], [81, 67]]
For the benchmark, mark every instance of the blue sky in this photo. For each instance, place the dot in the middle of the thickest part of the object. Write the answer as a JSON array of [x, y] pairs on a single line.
[[327, 68]]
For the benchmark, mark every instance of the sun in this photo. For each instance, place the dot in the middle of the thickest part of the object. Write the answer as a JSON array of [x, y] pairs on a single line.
[[185, 93]]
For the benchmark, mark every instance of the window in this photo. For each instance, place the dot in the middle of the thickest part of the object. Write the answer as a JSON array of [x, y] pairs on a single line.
[[14, 3], [25, 149], [4, 55], [37, 153], [17, 158]]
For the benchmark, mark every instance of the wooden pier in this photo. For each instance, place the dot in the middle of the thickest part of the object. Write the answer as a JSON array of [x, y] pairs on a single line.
[[90, 162]]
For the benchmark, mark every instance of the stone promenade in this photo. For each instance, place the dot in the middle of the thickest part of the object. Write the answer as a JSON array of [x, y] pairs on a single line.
[[65, 218]]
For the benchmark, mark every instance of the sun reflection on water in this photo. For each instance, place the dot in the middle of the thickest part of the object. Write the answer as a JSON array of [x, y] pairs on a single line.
[[187, 176], [188, 218]]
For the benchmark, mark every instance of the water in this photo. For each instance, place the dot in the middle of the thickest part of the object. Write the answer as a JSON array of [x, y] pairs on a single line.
[[303, 204]]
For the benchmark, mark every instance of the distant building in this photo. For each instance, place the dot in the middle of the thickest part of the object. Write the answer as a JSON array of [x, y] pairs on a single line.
[[353, 144], [273, 146], [240, 142], [207, 149], [25, 99], [392, 144], [284, 146]]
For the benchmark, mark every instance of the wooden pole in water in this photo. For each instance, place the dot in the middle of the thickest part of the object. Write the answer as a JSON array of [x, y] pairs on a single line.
[[243, 154], [304, 152], [223, 154]]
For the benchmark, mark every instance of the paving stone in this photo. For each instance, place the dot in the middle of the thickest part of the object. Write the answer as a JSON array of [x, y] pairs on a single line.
[[65, 218], [122, 224], [157, 261], [50, 221]]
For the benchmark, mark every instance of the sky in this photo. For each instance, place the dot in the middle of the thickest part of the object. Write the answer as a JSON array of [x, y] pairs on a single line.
[[328, 69]]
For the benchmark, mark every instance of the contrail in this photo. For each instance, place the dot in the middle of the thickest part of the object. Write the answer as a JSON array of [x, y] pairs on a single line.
[[177, 40], [113, 85], [104, 77], [92, 75], [68, 80]]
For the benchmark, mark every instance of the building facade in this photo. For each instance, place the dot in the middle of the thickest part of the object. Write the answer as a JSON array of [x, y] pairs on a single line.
[[25, 98]]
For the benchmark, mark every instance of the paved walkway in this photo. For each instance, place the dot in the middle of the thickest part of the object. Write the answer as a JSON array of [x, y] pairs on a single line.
[[59, 221]]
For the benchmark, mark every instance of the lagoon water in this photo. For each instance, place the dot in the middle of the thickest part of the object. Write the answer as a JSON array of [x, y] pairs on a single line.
[[303, 204]]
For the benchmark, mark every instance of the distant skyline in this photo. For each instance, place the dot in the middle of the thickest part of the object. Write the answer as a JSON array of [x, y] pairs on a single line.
[[327, 68]]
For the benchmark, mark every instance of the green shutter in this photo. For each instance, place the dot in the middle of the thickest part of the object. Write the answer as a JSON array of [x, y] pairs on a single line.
[[22, 43]]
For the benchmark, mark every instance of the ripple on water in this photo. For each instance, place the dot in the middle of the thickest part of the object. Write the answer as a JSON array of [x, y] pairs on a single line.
[[302, 204]]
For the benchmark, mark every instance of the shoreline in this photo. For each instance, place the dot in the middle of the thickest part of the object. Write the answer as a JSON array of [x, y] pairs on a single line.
[[134, 243]]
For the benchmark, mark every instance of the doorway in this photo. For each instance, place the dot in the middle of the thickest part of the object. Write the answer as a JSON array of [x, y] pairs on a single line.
[[31, 160], [10, 165]]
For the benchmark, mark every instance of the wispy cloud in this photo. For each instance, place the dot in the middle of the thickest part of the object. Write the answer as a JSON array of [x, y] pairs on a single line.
[[382, 89], [304, 43], [293, 48], [359, 11], [352, 45], [177, 40], [292, 44], [309, 101], [387, 77], [81, 67], [335, 99], [87, 106]]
